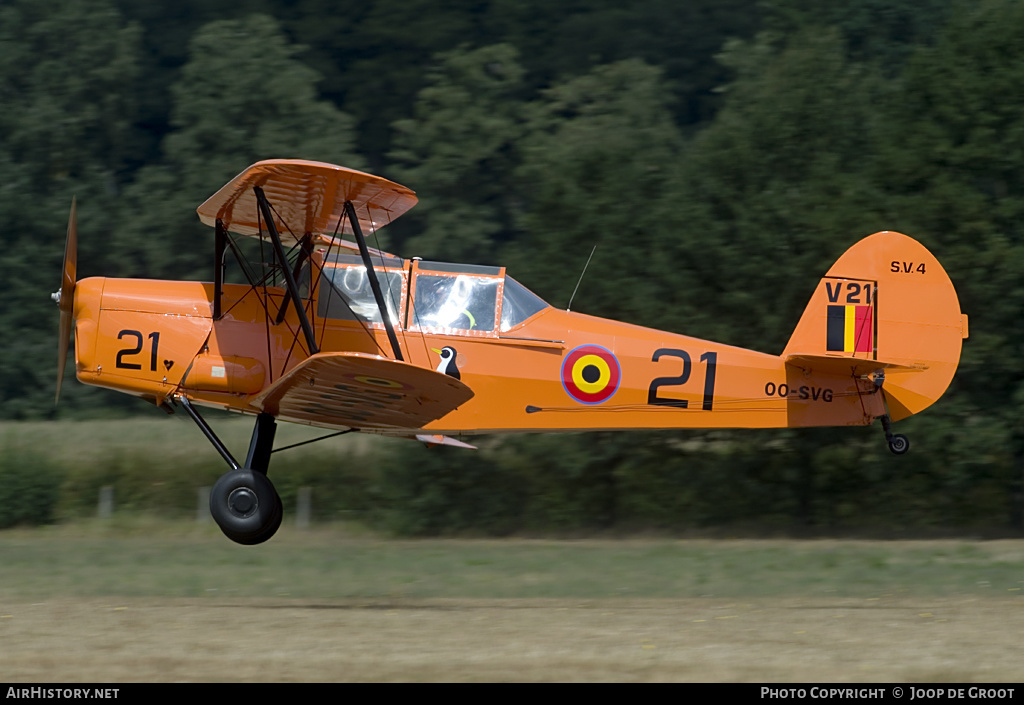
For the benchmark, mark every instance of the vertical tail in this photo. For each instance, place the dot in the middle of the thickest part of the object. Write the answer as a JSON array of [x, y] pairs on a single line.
[[888, 306]]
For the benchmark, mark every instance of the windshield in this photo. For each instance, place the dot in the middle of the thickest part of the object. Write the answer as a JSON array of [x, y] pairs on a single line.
[[518, 304]]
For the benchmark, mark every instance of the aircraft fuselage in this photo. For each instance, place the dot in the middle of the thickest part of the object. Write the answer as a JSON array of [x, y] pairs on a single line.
[[555, 371]]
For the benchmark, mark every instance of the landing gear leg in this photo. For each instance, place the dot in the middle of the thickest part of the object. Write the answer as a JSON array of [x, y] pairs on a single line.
[[243, 501], [898, 443]]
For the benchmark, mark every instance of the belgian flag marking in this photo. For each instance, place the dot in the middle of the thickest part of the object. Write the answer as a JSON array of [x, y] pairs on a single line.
[[850, 329], [590, 374]]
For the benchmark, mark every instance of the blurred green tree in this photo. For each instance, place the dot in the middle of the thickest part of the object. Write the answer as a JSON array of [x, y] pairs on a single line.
[[242, 97], [459, 151], [778, 187], [598, 165], [68, 73], [952, 160]]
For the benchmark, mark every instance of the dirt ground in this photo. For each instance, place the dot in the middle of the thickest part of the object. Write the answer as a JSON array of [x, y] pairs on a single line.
[[889, 639]]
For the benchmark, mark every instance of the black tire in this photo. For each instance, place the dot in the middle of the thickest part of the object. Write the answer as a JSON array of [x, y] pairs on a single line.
[[899, 444], [246, 506]]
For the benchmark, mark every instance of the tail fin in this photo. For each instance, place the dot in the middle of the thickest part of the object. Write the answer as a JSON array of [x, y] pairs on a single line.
[[886, 304]]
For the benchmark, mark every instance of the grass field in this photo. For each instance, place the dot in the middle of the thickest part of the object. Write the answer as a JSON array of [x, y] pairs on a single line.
[[172, 439], [135, 600], [140, 598]]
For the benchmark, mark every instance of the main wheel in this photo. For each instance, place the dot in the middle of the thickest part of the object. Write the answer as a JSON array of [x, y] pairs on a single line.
[[899, 444], [246, 506]]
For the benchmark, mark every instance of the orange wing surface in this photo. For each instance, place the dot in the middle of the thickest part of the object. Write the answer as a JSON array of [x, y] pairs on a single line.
[[364, 392], [308, 197]]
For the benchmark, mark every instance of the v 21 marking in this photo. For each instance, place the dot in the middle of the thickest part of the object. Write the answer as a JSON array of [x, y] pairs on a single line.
[[855, 292]]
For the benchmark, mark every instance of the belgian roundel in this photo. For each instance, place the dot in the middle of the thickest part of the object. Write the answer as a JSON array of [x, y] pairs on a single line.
[[590, 374]]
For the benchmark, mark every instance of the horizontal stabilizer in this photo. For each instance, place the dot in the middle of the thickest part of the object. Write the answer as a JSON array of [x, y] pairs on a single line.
[[364, 392], [849, 366]]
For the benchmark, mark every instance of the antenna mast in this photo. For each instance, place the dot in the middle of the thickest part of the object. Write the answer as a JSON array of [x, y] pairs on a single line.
[[567, 308]]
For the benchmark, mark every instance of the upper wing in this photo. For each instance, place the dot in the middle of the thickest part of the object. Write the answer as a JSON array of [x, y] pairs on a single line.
[[308, 197], [364, 392]]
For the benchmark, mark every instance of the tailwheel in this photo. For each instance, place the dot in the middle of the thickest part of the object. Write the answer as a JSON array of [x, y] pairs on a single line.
[[899, 444], [246, 506]]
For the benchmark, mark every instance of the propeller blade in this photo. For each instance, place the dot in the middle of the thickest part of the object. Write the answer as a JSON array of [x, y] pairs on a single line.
[[66, 296]]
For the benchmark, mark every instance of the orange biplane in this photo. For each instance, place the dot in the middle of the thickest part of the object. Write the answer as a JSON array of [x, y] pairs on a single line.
[[346, 337]]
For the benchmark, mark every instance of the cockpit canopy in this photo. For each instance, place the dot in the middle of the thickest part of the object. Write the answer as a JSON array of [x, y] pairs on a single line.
[[453, 298]]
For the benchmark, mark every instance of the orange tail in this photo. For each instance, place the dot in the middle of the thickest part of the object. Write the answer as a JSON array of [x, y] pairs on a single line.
[[886, 305]]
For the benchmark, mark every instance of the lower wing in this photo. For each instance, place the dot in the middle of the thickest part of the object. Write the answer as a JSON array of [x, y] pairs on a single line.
[[362, 392]]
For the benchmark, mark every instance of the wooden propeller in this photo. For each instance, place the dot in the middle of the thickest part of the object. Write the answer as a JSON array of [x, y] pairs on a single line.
[[65, 297]]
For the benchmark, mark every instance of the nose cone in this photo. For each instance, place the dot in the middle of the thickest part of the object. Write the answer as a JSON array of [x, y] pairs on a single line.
[[88, 294]]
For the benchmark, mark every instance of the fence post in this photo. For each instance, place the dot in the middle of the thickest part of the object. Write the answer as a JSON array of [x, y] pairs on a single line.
[[106, 505], [305, 508], [203, 506]]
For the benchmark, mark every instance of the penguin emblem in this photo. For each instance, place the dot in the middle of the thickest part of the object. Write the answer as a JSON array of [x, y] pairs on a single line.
[[447, 364]]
